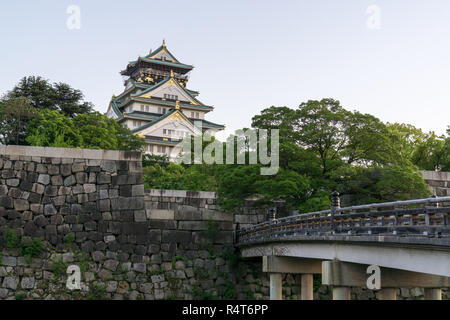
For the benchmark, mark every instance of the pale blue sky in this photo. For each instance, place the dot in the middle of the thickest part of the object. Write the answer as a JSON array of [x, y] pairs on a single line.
[[248, 55]]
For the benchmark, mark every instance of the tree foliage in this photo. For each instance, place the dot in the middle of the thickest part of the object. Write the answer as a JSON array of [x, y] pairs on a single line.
[[323, 147], [39, 113], [57, 96], [92, 131], [14, 116]]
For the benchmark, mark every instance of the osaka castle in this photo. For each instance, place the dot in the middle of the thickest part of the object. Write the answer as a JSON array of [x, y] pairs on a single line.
[[157, 105]]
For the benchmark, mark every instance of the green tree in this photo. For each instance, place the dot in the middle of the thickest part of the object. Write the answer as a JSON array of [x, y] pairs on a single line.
[[53, 129], [361, 185], [92, 131], [15, 113], [57, 96]]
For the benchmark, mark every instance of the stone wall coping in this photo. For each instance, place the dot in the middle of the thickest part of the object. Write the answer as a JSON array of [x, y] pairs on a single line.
[[181, 194], [436, 175], [90, 154]]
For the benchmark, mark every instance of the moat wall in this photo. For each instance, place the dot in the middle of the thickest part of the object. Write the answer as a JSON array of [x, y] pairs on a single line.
[[61, 207]]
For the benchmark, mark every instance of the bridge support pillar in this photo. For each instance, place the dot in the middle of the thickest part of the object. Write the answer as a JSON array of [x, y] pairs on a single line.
[[387, 294], [276, 286], [341, 293], [307, 292], [433, 294]]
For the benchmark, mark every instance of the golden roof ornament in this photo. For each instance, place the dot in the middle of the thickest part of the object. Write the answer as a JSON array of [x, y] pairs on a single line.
[[177, 105], [164, 43], [171, 73]]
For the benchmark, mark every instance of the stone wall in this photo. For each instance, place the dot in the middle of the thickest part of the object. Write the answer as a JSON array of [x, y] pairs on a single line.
[[198, 236], [62, 207], [439, 182]]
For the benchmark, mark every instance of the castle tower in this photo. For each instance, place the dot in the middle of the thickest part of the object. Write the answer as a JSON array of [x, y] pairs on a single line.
[[157, 105]]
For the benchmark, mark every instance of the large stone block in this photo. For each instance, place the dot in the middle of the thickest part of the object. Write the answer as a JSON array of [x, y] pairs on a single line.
[[135, 228], [163, 224], [140, 216], [57, 180], [176, 236], [53, 169], [21, 205], [6, 202], [81, 177], [104, 205], [12, 182], [89, 188], [108, 165], [3, 190], [157, 214], [37, 208], [216, 215], [50, 209], [104, 178], [44, 179], [11, 282], [51, 191], [192, 225], [38, 188], [188, 213], [137, 190], [9, 261], [78, 167], [70, 181]]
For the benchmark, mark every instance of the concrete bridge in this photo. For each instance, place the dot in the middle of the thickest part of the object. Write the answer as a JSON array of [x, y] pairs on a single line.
[[381, 246]]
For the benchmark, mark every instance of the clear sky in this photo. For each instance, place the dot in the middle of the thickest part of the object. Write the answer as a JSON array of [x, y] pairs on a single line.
[[248, 54]]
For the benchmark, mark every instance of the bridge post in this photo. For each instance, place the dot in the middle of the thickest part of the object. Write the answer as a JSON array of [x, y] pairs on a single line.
[[341, 293], [307, 288], [387, 294], [432, 294], [276, 286], [335, 204]]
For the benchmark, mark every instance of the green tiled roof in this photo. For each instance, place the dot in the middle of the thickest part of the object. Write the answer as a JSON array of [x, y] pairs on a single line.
[[172, 103], [212, 124], [171, 143], [163, 82], [141, 115], [161, 62], [149, 124], [160, 49], [115, 108], [168, 63]]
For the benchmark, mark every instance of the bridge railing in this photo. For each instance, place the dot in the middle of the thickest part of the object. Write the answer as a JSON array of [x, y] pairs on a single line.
[[420, 217]]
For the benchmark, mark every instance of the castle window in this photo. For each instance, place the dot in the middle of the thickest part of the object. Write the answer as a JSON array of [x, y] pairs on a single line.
[[164, 131], [142, 107], [197, 115], [192, 114], [147, 108], [161, 149]]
